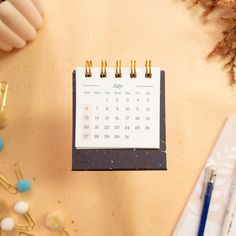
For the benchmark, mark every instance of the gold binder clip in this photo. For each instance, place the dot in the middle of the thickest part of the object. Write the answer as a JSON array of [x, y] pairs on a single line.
[[10, 188], [133, 73], [88, 67], [103, 73], [118, 69], [3, 97], [148, 66]]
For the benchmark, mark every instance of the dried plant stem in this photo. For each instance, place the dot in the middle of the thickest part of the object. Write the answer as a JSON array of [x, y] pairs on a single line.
[[226, 47]]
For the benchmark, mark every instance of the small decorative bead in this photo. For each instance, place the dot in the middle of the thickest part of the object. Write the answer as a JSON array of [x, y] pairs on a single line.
[[7, 224], [1, 143], [21, 207], [54, 220], [23, 185]]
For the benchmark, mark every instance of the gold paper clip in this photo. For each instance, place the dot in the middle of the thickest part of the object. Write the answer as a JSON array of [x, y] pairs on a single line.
[[103, 73], [8, 224], [10, 188], [22, 208], [65, 232], [133, 73], [29, 220], [3, 205], [25, 234], [148, 66], [23, 185], [3, 97], [88, 67], [18, 172], [118, 69], [23, 227]]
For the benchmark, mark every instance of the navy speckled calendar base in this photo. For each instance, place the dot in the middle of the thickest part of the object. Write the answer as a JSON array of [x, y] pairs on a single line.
[[121, 159]]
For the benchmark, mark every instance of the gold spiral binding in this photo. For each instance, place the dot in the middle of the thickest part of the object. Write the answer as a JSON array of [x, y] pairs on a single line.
[[118, 69], [133, 73], [88, 67], [103, 73], [148, 66]]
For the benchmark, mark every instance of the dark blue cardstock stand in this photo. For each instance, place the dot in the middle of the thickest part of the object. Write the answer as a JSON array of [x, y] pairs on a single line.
[[121, 159]]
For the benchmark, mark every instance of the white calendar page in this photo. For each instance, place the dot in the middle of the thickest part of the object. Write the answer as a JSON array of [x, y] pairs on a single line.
[[117, 113]]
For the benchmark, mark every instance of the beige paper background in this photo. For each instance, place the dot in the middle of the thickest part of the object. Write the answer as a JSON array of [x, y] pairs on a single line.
[[198, 98]]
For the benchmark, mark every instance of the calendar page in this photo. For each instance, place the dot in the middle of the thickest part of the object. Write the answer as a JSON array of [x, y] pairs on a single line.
[[113, 113]]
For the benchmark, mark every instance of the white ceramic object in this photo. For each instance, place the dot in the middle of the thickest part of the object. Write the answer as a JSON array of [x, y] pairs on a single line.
[[19, 22]]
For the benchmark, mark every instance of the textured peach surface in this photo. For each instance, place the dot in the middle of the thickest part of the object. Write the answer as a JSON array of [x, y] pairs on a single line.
[[38, 135]]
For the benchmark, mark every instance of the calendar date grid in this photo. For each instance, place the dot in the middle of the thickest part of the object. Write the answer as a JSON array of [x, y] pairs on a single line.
[[117, 112]]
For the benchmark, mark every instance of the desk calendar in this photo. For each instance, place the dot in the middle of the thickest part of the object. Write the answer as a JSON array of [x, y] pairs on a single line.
[[119, 120]]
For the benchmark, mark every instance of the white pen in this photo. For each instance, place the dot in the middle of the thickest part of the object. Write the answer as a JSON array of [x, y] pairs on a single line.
[[230, 212]]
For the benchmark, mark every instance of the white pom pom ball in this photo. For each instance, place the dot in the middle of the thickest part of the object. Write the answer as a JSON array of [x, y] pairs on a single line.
[[54, 220], [7, 224], [21, 207]]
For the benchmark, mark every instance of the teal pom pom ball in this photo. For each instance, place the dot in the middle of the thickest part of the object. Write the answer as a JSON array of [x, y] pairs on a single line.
[[23, 185], [1, 143]]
